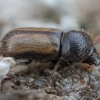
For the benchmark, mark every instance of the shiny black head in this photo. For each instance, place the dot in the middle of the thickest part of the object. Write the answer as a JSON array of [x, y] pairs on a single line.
[[94, 58], [77, 47]]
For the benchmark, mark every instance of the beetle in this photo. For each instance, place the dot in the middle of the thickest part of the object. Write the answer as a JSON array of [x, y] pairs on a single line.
[[49, 44]]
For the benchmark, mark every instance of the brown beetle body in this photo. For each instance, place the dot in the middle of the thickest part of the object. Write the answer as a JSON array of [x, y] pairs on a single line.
[[32, 43], [48, 44]]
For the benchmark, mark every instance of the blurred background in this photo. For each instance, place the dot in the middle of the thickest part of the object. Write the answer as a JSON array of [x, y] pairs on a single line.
[[60, 14]]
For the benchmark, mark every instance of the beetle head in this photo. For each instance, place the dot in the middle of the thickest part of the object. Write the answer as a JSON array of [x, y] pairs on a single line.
[[94, 58]]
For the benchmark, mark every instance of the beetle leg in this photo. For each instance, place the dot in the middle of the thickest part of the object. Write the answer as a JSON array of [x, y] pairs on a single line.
[[82, 78], [53, 71]]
